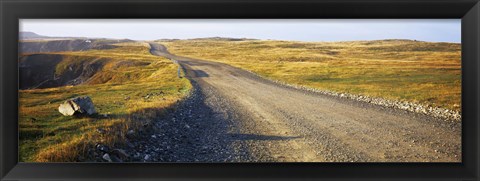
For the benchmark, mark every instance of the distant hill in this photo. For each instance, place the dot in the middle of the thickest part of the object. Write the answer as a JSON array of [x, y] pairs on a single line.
[[30, 35], [27, 35], [209, 39], [222, 39]]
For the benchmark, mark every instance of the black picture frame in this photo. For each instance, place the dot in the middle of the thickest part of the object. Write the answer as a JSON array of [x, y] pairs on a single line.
[[12, 11]]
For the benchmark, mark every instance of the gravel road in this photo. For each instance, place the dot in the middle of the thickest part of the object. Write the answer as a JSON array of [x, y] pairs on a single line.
[[236, 116]]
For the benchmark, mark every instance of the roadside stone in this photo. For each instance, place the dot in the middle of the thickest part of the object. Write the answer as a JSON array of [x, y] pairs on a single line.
[[147, 157], [106, 157], [130, 134], [103, 148]]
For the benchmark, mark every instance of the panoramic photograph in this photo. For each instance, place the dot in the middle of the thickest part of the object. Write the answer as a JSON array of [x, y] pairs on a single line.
[[240, 90]]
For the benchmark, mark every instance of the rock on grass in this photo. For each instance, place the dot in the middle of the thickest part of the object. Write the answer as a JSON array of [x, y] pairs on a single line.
[[77, 106]]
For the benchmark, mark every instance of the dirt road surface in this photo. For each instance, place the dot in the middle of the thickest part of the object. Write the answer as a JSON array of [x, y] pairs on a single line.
[[236, 116]]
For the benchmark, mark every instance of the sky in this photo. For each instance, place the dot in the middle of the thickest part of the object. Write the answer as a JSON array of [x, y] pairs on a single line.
[[433, 30]]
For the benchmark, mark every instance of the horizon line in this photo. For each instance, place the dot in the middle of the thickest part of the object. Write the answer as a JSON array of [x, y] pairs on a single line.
[[222, 37]]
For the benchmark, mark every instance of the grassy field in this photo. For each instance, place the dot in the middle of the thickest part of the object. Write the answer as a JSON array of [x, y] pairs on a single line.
[[131, 89], [404, 70]]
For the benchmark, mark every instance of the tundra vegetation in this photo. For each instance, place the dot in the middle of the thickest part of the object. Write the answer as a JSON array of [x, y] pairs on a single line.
[[130, 88], [428, 73]]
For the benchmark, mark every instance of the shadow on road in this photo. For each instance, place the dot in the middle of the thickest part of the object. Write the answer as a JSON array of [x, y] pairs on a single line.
[[195, 132], [200, 73], [244, 137]]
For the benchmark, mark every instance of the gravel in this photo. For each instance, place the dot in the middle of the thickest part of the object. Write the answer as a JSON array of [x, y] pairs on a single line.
[[192, 132], [447, 114]]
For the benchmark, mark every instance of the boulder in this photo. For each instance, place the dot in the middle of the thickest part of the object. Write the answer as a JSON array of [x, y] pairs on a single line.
[[77, 106]]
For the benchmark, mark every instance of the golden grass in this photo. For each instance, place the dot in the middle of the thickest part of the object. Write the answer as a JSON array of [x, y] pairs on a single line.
[[404, 70], [119, 90]]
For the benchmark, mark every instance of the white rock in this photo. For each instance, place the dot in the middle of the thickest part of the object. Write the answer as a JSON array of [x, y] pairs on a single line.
[[147, 157], [106, 156], [78, 105]]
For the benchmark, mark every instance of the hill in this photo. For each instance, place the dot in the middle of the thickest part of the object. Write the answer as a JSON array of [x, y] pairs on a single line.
[[30, 35]]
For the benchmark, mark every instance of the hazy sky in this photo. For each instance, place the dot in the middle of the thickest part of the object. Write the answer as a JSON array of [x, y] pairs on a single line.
[[446, 30]]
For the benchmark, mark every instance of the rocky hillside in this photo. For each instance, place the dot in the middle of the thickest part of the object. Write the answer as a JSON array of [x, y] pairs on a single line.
[[43, 66], [35, 46], [54, 70]]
